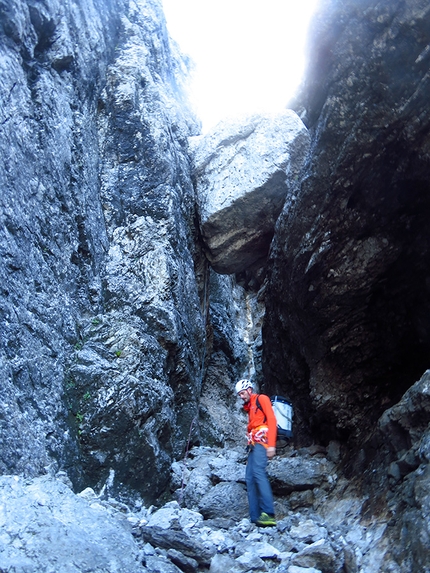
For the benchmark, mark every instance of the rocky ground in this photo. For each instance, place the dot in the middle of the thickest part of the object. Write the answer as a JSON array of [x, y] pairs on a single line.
[[325, 522], [46, 527]]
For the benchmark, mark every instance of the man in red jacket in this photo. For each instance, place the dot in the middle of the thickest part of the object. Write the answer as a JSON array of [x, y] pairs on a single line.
[[262, 429]]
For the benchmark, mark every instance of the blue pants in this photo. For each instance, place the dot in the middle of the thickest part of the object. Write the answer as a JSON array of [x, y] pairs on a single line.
[[260, 496]]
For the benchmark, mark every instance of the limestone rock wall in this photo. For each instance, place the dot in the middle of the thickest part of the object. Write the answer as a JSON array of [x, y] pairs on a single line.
[[102, 323]]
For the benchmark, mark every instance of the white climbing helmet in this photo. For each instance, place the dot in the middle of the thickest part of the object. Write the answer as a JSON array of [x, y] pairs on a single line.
[[243, 385]]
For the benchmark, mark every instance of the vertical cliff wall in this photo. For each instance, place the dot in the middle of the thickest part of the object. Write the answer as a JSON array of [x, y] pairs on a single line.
[[102, 325], [348, 316]]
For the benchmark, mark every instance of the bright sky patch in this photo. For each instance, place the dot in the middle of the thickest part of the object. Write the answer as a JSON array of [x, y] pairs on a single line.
[[249, 54]]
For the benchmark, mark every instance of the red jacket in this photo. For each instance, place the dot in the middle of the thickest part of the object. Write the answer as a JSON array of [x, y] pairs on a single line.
[[262, 425]]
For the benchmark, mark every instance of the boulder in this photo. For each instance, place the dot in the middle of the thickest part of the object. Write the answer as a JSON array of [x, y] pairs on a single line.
[[308, 531], [226, 499], [186, 564], [251, 562], [171, 515], [180, 541], [232, 469], [298, 474], [243, 172], [319, 555], [222, 563], [159, 564]]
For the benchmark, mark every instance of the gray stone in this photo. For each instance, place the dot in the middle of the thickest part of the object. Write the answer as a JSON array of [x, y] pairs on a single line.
[[265, 550], [319, 555], [308, 532], [179, 474], [196, 487], [222, 563], [301, 499], [250, 561], [227, 470], [224, 541], [424, 448], [226, 499], [177, 539], [186, 564], [289, 474], [159, 564], [172, 515]]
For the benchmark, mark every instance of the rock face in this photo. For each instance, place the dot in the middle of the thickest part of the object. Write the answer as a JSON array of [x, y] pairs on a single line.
[[402, 438], [243, 172], [347, 327], [102, 333]]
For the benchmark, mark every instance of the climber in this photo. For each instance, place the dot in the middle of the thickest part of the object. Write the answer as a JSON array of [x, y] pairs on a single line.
[[261, 447]]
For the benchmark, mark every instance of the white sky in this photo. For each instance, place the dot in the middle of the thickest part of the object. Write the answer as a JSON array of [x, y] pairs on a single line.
[[249, 54]]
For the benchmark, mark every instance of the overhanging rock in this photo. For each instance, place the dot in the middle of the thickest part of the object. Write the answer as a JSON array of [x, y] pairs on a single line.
[[243, 173]]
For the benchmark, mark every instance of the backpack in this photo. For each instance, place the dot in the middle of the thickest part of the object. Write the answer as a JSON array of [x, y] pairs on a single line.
[[284, 416]]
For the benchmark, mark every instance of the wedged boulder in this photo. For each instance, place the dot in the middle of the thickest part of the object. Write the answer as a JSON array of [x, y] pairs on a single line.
[[243, 172]]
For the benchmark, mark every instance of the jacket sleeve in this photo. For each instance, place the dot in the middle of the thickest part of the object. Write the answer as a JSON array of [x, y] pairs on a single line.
[[272, 424]]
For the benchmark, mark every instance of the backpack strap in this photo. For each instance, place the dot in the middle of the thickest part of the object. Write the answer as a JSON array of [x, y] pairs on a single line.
[[260, 408]]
